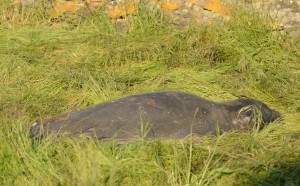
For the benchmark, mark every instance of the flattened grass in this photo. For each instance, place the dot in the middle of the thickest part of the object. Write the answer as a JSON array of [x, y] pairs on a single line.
[[49, 69]]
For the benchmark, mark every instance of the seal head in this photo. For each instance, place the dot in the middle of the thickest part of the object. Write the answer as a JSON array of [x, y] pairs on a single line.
[[253, 112]]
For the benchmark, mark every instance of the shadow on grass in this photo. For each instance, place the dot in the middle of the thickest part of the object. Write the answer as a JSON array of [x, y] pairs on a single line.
[[287, 174]]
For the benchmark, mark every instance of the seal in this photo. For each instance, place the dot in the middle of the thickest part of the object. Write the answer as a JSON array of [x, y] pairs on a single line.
[[162, 114]]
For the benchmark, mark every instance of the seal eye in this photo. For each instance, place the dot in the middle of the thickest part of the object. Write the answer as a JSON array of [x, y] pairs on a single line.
[[252, 115], [247, 111]]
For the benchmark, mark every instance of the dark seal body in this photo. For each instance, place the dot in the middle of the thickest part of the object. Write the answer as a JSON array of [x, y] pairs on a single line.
[[163, 114]]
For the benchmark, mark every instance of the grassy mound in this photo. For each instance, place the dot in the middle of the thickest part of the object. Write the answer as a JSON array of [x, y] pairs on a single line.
[[49, 66]]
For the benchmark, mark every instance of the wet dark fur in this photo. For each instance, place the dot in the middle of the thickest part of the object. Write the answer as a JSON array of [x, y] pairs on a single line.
[[164, 114]]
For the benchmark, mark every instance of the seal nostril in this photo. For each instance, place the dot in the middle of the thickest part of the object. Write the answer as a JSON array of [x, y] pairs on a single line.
[[275, 115]]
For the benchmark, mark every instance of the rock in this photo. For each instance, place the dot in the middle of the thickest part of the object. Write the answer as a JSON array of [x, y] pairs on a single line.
[[27, 2], [118, 10], [94, 4], [120, 26], [286, 12], [179, 12], [217, 6], [170, 5], [153, 4], [184, 13], [66, 7], [181, 22]]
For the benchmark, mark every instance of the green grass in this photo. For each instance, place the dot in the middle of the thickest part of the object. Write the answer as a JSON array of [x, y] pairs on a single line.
[[48, 68]]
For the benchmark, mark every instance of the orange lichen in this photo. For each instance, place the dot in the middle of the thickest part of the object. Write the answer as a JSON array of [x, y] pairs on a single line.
[[169, 5], [209, 22], [218, 7], [69, 6], [154, 1], [194, 2], [121, 10]]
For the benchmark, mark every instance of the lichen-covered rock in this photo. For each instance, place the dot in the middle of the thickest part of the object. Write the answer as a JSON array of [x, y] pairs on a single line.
[[287, 13], [170, 5], [121, 8], [217, 6], [179, 12], [65, 7], [94, 4]]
